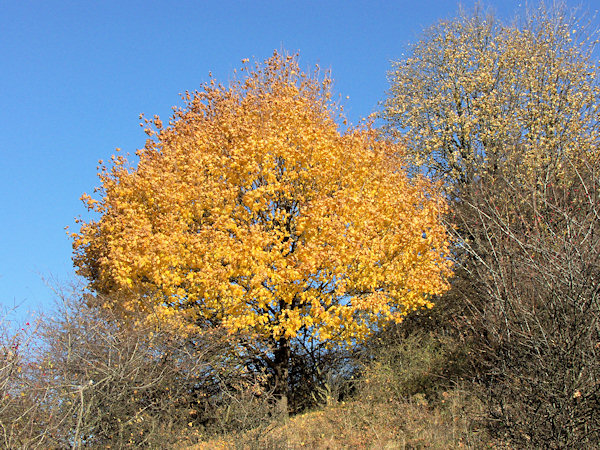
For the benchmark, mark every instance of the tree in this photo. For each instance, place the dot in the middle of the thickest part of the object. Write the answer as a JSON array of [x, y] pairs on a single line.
[[508, 117], [252, 210], [475, 94]]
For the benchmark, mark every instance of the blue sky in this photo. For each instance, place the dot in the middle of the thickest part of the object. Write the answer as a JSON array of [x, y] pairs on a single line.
[[75, 75]]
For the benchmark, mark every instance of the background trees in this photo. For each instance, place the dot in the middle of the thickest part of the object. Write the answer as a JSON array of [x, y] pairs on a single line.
[[475, 94], [507, 115], [253, 211]]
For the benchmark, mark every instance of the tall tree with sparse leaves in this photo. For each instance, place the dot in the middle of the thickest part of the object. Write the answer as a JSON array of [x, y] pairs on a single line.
[[508, 117], [475, 94]]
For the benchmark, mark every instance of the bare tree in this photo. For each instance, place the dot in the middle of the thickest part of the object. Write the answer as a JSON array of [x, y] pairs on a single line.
[[530, 256]]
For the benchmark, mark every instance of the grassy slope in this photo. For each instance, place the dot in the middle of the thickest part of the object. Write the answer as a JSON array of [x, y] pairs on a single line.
[[372, 423]]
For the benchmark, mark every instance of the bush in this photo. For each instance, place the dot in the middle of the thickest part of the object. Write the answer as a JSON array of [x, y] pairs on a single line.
[[88, 378], [398, 366], [25, 418], [531, 264]]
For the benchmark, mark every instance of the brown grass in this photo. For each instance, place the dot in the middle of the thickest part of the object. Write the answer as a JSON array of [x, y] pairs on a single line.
[[372, 424]]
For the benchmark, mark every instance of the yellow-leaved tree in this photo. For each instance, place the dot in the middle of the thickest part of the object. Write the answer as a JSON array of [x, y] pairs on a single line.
[[252, 210]]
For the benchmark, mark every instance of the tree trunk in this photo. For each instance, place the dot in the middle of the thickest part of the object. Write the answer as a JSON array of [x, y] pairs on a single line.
[[282, 372]]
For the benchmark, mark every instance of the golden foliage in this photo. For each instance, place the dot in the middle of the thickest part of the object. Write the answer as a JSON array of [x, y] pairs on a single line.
[[252, 209]]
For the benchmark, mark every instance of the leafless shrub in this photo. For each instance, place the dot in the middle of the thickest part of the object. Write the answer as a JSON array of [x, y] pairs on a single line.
[[131, 384], [24, 422], [90, 378], [529, 255]]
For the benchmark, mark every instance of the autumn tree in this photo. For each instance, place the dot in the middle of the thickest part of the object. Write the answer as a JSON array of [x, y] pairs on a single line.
[[252, 210], [475, 94], [507, 116]]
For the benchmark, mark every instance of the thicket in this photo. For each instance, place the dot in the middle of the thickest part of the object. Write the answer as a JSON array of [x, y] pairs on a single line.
[[507, 116], [94, 380]]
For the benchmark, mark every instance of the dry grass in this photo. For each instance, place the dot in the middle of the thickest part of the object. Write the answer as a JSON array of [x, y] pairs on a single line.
[[377, 424]]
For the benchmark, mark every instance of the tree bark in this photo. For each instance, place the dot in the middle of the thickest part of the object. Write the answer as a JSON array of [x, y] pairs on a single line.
[[282, 372]]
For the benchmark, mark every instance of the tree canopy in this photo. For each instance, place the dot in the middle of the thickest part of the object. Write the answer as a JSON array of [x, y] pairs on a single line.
[[253, 210], [475, 94]]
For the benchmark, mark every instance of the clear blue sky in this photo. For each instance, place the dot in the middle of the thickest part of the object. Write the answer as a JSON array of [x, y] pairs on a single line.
[[75, 75]]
